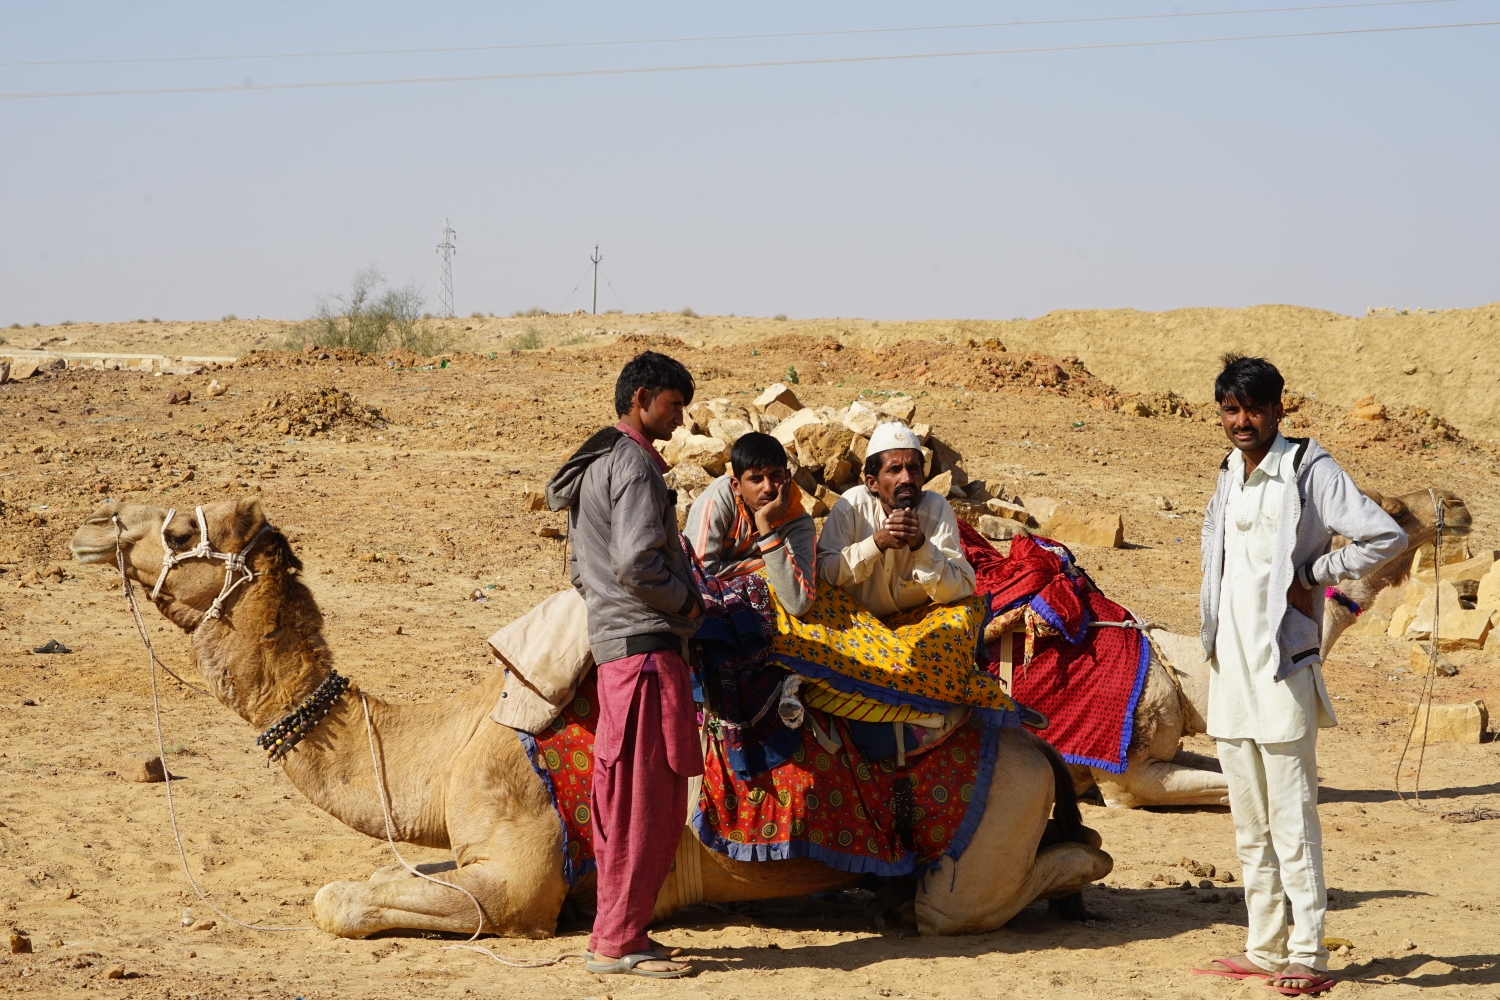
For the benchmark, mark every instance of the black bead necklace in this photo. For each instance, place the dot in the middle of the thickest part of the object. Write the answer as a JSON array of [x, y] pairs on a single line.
[[293, 727]]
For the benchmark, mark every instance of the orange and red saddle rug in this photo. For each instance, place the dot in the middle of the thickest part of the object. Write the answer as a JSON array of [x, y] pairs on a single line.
[[563, 757], [836, 807], [832, 807]]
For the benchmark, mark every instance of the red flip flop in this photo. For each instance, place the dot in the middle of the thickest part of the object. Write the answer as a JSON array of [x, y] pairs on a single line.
[[1234, 970], [1317, 984]]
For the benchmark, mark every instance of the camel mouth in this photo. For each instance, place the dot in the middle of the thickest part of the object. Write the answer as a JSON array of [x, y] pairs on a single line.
[[92, 553]]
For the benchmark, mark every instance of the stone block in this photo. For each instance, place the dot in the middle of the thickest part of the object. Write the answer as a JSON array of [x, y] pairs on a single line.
[[902, 408], [688, 480], [1453, 552], [859, 447], [786, 430], [728, 429], [922, 431], [1416, 592], [780, 411], [763, 423], [1081, 526], [1000, 528], [1009, 511], [1450, 723], [860, 418], [1370, 623], [532, 500], [1474, 568], [1488, 594], [823, 446], [141, 767], [696, 449], [23, 368], [777, 394], [1458, 627], [1420, 654], [940, 483], [947, 459], [1367, 409], [1041, 508], [1401, 618], [970, 512], [4, 371]]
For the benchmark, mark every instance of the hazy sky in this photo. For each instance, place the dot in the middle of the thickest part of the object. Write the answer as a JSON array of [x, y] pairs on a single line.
[[1340, 171]]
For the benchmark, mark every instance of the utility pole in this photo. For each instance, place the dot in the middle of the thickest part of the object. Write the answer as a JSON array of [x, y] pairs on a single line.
[[446, 250], [596, 259]]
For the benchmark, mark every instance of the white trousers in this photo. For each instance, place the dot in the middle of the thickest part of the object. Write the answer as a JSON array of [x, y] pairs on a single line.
[[1273, 795]]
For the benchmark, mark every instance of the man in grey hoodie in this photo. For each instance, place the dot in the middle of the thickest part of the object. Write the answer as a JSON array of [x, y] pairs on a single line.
[[1266, 551], [643, 605]]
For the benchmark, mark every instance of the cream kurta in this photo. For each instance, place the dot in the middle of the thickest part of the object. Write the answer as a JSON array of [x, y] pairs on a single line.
[[1245, 701]]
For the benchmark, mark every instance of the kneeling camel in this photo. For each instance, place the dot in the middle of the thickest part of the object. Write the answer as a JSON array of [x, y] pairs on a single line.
[[456, 780]]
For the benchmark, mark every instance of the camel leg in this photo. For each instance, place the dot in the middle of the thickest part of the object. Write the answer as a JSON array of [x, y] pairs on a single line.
[[399, 899], [1148, 782], [1002, 871]]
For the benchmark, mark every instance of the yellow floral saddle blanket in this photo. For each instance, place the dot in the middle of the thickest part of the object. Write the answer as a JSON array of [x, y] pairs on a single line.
[[909, 667]]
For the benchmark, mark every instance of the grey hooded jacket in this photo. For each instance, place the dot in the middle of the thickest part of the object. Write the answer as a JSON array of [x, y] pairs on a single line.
[[627, 559], [1326, 502]]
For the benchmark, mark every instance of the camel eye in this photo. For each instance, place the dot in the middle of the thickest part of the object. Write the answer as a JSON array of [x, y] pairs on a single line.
[[179, 539]]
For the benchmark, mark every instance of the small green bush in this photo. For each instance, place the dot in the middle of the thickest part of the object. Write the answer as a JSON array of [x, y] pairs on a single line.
[[791, 375], [476, 315], [371, 320], [66, 322], [528, 313], [688, 312], [780, 317], [229, 318], [528, 340]]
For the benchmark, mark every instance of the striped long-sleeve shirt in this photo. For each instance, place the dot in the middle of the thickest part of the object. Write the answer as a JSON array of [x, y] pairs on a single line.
[[723, 534]]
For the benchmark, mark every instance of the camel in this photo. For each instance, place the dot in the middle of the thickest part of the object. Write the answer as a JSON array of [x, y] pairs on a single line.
[[456, 780], [1174, 702]]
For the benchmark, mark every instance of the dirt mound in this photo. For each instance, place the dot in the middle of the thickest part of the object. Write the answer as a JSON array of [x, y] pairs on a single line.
[[306, 413]]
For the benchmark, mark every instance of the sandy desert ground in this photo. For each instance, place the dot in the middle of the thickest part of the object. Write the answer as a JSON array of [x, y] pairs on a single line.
[[398, 524]]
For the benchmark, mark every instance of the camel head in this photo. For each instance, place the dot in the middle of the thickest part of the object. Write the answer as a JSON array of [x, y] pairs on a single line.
[[192, 584], [1417, 515]]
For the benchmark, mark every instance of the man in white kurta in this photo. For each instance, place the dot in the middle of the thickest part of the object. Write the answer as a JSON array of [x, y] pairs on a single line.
[[1267, 730], [1267, 550]]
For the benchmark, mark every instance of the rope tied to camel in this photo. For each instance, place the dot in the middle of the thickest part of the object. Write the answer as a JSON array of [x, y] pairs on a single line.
[[1424, 696]]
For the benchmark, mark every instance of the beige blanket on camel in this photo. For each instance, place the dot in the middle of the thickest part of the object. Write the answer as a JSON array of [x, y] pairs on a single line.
[[546, 654]]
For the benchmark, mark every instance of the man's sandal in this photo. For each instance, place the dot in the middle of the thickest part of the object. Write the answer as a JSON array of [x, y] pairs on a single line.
[[1316, 983], [625, 965], [1231, 970]]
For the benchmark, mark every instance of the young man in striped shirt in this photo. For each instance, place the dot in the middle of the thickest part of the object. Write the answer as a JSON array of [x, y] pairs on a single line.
[[753, 518]]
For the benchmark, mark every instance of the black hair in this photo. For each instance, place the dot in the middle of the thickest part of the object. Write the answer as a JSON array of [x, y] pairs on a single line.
[[653, 371], [756, 451], [1249, 380], [873, 461]]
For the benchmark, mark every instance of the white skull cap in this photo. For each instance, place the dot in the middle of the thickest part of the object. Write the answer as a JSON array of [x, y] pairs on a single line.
[[892, 435]]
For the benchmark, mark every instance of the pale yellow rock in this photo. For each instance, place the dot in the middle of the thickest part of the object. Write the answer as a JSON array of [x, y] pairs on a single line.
[[763, 423], [786, 430], [1420, 654], [1367, 409], [775, 393], [860, 418], [1450, 723], [1458, 627], [22, 369], [1010, 511], [922, 431], [859, 447], [1042, 508], [940, 483], [1476, 568], [217, 388], [821, 445], [4, 371], [696, 449], [1416, 592], [1081, 526], [945, 458], [1369, 623], [1453, 552], [1489, 589], [1400, 619], [688, 480], [728, 429], [1000, 528], [903, 408]]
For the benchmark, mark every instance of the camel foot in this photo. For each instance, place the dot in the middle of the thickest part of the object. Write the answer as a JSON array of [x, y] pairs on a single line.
[[1070, 907]]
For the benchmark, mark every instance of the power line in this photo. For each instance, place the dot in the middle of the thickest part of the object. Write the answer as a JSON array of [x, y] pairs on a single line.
[[723, 38], [759, 64]]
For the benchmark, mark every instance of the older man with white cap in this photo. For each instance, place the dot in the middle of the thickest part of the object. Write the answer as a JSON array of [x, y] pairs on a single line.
[[890, 544]]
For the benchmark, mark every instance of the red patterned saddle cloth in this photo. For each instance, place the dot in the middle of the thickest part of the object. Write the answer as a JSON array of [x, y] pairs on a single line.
[[563, 757], [837, 808]]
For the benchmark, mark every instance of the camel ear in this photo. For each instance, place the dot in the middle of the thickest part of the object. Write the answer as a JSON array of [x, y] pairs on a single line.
[[248, 517], [1393, 507]]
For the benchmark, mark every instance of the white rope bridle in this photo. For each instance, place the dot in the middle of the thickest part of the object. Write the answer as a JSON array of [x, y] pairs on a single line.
[[234, 562]]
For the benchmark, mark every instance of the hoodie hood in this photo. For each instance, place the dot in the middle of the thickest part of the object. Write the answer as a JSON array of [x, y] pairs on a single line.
[[566, 483]]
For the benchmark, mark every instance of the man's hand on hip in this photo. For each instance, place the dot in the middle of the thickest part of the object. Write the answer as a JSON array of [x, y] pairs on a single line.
[[1299, 597]]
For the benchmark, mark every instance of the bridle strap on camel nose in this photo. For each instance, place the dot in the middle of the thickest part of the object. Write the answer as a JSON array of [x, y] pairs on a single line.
[[234, 562]]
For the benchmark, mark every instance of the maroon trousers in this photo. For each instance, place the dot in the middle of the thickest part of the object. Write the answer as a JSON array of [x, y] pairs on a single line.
[[646, 737]]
